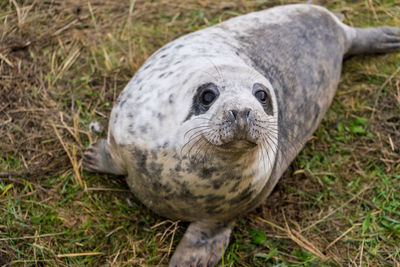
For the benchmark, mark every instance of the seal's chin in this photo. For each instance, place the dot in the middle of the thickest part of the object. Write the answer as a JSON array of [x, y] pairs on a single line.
[[240, 145]]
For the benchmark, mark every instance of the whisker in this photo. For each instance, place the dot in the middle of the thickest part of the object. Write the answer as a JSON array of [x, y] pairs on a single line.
[[268, 120], [212, 76], [185, 145], [200, 132], [201, 147], [202, 118], [263, 157], [216, 68], [195, 128], [266, 151], [194, 145]]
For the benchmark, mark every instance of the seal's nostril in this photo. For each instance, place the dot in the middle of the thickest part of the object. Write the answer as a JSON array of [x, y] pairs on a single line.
[[233, 113], [246, 113]]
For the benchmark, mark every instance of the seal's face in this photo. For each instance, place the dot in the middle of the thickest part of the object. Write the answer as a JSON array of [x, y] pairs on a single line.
[[232, 115]]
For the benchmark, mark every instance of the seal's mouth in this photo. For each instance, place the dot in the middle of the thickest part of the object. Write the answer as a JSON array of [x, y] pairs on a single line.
[[237, 145]]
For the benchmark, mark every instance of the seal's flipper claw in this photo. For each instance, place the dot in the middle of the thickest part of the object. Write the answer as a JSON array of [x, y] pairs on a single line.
[[98, 158], [374, 40], [202, 245]]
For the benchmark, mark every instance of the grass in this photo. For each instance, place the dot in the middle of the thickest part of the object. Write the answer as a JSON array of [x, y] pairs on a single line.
[[62, 65]]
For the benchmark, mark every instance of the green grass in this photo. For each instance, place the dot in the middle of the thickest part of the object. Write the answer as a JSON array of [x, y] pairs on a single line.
[[66, 62]]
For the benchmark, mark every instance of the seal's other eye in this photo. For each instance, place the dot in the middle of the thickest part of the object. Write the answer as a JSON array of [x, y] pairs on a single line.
[[207, 97], [262, 94]]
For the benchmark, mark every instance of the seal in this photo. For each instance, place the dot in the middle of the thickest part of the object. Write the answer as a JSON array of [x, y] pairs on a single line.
[[208, 124]]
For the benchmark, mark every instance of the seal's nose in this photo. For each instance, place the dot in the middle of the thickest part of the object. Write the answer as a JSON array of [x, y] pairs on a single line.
[[240, 118], [240, 115]]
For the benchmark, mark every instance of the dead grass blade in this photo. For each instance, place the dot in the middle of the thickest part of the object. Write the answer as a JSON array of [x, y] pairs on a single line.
[[296, 237], [72, 157], [79, 254], [31, 236], [361, 252], [172, 238], [69, 61], [341, 236], [302, 241], [8, 62], [74, 132], [270, 223]]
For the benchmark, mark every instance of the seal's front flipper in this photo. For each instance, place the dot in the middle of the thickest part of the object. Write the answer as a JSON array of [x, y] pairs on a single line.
[[99, 158], [202, 245], [373, 40]]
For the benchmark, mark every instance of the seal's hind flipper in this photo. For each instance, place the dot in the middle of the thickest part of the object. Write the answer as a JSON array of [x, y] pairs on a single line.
[[373, 40], [98, 158], [202, 245]]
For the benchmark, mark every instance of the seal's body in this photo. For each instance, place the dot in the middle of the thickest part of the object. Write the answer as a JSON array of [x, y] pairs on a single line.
[[209, 123]]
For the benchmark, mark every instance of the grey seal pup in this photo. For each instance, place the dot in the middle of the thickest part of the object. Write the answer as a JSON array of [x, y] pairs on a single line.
[[209, 123]]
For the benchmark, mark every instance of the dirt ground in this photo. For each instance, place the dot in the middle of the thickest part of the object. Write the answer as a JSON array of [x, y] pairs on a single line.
[[62, 66]]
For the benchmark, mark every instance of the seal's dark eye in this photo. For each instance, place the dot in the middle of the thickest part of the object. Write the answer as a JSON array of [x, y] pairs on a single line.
[[207, 93], [261, 96], [207, 97], [204, 97]]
